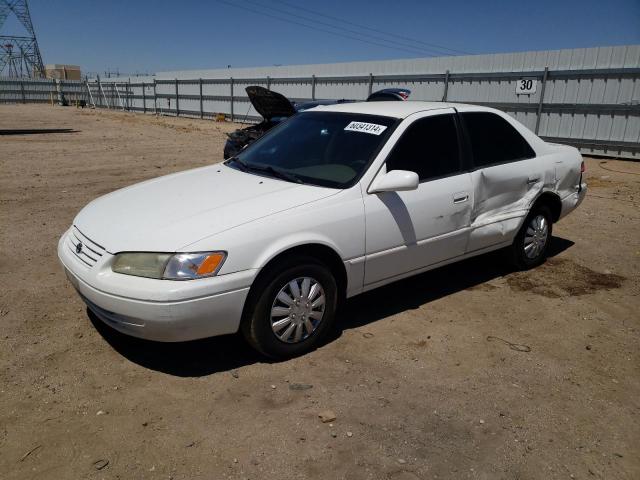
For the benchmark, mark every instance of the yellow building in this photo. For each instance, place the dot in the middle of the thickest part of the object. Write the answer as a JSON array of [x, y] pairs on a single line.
[[62, 72]]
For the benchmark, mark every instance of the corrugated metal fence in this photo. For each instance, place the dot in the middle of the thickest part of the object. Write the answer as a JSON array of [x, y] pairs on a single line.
[[597, 110]]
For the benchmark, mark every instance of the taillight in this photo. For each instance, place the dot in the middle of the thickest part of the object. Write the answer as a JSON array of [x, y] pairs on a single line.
[[582, 167]]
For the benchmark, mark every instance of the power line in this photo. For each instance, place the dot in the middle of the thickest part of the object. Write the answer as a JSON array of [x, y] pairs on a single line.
[[412, 50], [433, 45], [319, 29], [422, 50]]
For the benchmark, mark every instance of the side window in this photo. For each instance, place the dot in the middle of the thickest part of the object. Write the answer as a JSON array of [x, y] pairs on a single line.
[[428, 147], [494, 140]]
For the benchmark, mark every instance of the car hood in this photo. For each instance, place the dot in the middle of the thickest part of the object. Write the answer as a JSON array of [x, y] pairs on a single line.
[[269, 104], [169, 213]]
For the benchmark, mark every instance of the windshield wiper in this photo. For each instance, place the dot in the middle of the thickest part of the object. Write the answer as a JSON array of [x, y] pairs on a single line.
[[276, 172], [241, 165]]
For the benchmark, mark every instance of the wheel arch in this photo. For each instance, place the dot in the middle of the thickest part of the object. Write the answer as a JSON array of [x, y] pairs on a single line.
[[326, 254], [552, 201]]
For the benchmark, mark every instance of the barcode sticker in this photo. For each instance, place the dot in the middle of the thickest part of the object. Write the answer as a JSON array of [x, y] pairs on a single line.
[[372, 128]]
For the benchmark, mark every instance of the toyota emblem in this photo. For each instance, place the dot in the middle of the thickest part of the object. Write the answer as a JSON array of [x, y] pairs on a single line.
[[79, 247]]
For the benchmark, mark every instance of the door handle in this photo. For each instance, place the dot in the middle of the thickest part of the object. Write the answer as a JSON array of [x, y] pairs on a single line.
[[531, 181], [460, 197]]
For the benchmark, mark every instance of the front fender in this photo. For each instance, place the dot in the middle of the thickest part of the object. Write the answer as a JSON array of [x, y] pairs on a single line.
[[336, 222]]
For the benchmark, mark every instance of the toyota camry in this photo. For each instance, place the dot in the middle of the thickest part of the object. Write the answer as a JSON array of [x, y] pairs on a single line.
[[335, 201]]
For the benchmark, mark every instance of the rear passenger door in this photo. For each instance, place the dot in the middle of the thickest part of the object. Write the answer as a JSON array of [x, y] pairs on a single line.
[[506, 177], [409, 230]]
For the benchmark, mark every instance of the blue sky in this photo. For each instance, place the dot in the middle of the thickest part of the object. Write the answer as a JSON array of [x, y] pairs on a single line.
[[148, 36]]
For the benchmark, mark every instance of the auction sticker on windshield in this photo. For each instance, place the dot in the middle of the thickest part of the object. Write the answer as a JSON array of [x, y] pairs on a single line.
[[372, 128]]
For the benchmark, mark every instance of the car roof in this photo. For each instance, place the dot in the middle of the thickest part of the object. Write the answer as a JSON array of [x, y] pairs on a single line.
[[394, 109]]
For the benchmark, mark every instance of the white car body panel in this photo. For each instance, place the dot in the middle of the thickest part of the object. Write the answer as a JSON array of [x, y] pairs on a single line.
[[167, 213], [410, 230], [336, 222], [380, 237]]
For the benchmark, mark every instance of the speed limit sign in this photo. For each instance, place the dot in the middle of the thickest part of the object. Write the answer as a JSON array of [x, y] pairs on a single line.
[[526, 86]]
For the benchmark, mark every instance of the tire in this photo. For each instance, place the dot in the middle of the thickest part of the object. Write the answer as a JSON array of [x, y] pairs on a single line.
[[300, 327], [530, 247]]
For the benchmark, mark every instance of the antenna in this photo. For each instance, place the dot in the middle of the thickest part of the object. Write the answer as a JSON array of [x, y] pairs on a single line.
[[19, 55]]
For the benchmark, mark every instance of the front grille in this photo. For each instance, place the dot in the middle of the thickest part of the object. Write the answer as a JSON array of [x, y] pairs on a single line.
[[90, 252]]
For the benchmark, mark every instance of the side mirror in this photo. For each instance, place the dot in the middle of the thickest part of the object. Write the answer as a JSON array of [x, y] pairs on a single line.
[[395, 181]]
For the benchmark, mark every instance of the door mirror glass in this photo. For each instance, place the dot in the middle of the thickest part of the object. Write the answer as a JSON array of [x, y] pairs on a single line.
[[395, 181]]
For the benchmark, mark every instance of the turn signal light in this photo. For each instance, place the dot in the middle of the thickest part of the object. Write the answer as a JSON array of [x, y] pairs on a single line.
[[209, 264]]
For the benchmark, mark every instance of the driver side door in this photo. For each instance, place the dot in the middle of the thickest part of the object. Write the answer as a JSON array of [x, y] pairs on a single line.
[[407, 231]]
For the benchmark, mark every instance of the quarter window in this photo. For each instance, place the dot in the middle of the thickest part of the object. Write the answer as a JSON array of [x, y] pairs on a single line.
[[428, 147], [494, 140]]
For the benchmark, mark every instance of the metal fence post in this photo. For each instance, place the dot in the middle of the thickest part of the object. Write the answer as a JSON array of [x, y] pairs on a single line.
[[129, 95], [144, 98], [115, 85], [268, 82], [102, 91], [201, 110], [22, 92], [544, 84], [231, 84], [177, 100], [90, 94], [155, 98], [446, 86], [313, 87], [370, 83]]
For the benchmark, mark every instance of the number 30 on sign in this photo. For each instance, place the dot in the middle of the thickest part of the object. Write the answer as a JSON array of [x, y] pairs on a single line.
[[526, 86]]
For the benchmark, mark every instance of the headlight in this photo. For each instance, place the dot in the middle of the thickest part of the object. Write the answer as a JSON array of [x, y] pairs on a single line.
[[179, 266], [150, 265]]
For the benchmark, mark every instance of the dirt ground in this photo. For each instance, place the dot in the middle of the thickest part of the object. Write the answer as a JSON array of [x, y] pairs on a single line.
[[469, 371]]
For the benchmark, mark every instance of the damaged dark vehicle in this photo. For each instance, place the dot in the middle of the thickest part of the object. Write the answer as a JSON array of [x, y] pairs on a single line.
[[275, 108]]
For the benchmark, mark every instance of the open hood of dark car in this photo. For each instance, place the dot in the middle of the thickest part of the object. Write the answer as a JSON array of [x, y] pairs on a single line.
[[269, 104], [387, 94]]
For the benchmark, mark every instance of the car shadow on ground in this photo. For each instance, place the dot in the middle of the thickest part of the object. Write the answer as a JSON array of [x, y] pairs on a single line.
[[226, 353], [413, 292], [35, 131]]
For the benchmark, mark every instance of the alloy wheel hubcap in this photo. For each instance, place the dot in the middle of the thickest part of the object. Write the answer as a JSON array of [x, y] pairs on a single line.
[[297, 310], [536, 236]]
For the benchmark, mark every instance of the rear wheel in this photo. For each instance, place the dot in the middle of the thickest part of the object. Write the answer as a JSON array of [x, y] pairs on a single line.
[[291, 308], [530, 246]]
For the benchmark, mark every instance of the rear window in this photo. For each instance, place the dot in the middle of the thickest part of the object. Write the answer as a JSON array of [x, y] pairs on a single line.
[[494, 140]]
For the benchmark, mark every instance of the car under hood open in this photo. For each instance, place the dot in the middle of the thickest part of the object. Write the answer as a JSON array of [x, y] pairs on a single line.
[[169, 213], [269, 104]]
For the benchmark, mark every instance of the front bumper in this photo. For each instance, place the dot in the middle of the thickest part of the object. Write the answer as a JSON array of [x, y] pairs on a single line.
[[161, 310]]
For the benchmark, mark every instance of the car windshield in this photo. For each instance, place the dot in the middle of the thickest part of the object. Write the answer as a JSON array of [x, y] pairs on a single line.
[[328, 149]]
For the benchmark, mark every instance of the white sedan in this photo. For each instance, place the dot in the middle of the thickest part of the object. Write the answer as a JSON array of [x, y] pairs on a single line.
[[336, 201]]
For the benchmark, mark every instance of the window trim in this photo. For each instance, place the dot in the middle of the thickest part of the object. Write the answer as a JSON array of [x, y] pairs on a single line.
[[469, 147], [462, 160]]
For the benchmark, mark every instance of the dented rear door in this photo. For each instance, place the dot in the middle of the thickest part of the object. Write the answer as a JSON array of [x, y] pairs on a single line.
[[502, 196], [506, 177]]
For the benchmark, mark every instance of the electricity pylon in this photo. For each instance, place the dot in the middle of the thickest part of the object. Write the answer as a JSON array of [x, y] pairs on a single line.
[[19, 55]]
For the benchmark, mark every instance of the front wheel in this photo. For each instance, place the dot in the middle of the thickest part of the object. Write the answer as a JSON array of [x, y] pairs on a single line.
[[291, 309], [530, 246]]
